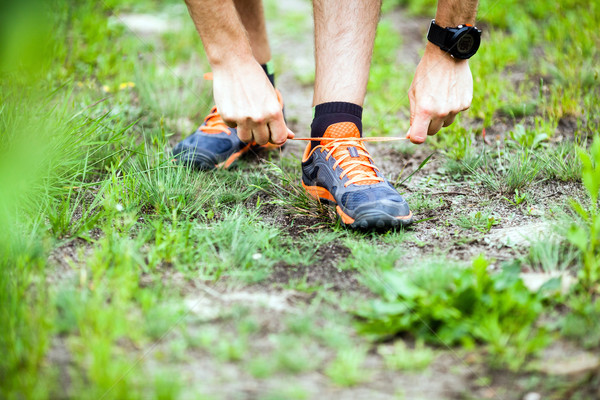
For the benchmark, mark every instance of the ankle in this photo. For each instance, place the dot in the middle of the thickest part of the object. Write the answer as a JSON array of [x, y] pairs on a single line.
[[326, 114], [270, 71]]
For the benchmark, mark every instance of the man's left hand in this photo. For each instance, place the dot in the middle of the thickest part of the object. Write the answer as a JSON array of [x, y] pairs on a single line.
[[442, 87]]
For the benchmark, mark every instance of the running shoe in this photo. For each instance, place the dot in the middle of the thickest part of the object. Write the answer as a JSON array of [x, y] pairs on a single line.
[[342, 172], [215, 145]]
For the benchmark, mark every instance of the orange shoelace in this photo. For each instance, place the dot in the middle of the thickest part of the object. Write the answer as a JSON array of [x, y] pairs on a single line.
[[356, 169], [213, 123], [359, 169], [342, 141]]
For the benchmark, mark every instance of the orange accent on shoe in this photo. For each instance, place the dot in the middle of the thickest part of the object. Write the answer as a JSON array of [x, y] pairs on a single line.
[[405, 217], [360, 170], [213, 123], [345, 217], [318, 192], [227, 163], [208, 76]]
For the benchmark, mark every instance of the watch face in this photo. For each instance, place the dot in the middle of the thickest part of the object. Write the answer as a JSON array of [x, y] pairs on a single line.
[[465, 44]]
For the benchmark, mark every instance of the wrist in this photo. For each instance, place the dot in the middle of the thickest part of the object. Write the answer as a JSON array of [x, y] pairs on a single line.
[[434, 52], [221, 58]]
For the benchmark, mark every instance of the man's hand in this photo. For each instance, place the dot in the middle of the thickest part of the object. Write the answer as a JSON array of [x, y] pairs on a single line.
[[246, 99], [442, 87]]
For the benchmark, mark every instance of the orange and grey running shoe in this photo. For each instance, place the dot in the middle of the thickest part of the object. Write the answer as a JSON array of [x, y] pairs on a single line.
[[214, 144], [342, 172]]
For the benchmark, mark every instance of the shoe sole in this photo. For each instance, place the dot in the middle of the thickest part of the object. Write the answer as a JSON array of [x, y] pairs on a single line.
[[368, 220]]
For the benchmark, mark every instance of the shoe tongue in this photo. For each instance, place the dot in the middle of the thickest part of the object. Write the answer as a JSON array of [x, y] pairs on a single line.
[[349, 130], [342, 130]]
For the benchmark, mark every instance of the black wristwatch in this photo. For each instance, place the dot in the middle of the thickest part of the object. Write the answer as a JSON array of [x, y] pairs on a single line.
[[461, 42]]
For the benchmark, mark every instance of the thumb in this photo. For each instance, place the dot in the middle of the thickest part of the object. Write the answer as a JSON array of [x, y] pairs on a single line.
[[413, 109], [418, 129]]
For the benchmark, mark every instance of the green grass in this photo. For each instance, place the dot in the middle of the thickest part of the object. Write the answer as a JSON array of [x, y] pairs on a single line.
[[122, 274], [482, 222]]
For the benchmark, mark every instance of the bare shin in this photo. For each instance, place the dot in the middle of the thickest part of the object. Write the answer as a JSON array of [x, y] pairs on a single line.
[[344, 35]]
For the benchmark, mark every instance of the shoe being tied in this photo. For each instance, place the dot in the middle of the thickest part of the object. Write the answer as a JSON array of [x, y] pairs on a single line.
[[342, 172], [215, 145]]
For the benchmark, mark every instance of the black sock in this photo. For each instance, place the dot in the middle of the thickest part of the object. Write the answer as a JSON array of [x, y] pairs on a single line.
[[268, 68], [331, 113]]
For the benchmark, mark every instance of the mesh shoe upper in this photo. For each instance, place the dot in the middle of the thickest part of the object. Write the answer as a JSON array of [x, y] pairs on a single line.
[[212, 143]]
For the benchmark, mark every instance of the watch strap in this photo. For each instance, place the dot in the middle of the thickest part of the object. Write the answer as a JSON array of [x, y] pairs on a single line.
[[438, 35]]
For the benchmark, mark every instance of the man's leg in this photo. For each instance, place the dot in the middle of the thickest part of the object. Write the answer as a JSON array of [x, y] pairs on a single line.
[[341, 170], [253, 17], [344, 35]]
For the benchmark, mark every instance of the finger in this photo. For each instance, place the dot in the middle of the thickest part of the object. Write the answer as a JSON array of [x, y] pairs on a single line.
[[435, 125], [290, 134], [418, 129], [230, 122], [261, 133], [244, 132], [449, 119], [279, 132]]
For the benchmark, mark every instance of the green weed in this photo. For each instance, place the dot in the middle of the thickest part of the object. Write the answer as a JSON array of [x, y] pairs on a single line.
[[561, 163], [420, 202], [449, 306], [482, 222], [518, 198], [584, 236], [506, 172], [530, 138], [551, 254]]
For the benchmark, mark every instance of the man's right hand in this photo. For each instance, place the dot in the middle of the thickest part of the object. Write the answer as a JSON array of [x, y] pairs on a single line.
[[246, 100]]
